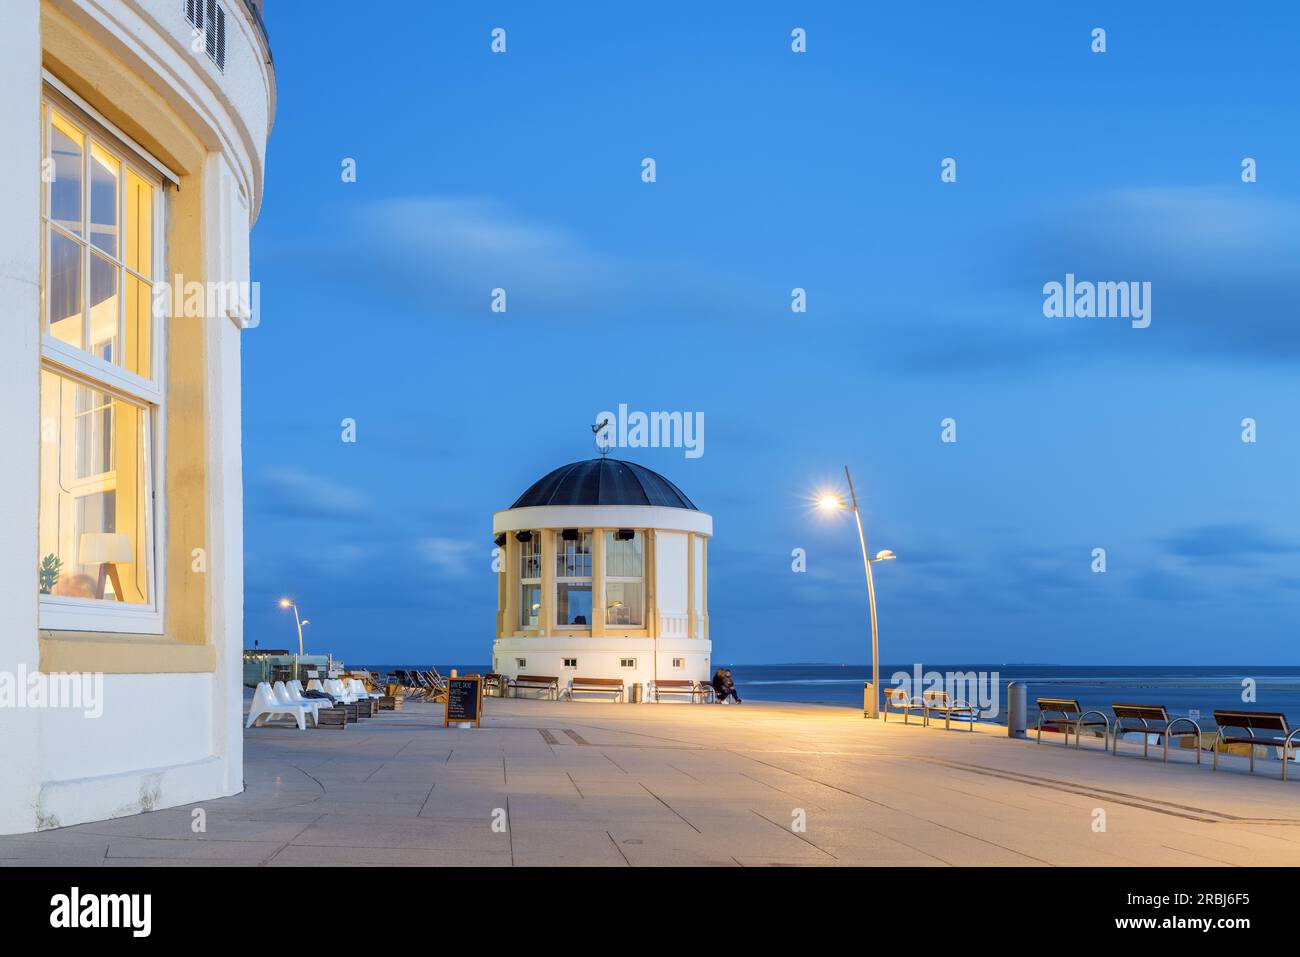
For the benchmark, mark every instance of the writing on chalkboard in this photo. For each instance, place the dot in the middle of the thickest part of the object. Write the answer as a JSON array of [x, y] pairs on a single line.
[[464, 701]]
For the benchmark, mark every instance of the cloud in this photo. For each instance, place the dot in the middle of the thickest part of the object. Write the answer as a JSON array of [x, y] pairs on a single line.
[[1238, 545], [435, 256], [452, 556], [294, 493], [1220, 262]]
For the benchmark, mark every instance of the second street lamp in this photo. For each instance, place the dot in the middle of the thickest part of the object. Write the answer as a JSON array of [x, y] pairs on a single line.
[[288, 603], [831, 502]]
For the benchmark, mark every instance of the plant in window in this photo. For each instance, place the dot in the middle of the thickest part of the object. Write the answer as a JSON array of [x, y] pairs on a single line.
[[48, 572]]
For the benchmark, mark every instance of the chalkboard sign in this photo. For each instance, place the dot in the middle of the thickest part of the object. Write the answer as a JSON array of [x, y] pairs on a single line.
[[464, 700]]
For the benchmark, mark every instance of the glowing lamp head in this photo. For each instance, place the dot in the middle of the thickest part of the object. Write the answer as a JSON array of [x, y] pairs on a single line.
[[285, 603], [829, 503], [884, 555]]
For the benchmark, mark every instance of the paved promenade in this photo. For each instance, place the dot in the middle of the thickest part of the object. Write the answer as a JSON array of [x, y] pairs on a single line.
[[545, 783]]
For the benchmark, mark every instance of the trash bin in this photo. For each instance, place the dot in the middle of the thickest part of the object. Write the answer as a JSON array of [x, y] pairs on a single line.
[[1017, 720], [634, 693], [870, 703]]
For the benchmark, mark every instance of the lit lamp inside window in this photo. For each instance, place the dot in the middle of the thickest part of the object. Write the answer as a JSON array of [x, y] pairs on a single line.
[[107, 550]]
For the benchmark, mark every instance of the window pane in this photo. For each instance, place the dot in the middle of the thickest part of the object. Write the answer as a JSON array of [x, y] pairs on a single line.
[[530, 558], [66, 150], [104, 308], [572, 604], [138, 252], [623, 559], [63, 295], [573, 559], [104, 172], [139, 328], [94, 494], [530, 604], [623, 604]]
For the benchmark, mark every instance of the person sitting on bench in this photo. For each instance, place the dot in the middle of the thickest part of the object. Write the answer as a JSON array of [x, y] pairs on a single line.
[[724, 686]]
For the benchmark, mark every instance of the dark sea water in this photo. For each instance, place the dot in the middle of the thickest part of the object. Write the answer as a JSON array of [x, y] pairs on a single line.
[[1180, 689]]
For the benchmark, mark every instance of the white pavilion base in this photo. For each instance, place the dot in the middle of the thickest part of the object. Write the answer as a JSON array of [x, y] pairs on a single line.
[[605, 658]]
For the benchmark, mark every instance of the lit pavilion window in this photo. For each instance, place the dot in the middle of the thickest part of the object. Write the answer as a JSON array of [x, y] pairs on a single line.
[[530, 581], [100, 395], [573, 579], [624, 579]]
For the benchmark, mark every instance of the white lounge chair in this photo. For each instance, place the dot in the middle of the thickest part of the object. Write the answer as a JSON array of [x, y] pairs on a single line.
[[359, 689], [285, 697], [296, 693], [339, 691], [266, 706]]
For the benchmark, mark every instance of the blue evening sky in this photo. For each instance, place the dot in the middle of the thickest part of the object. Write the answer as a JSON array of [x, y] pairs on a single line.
[[779, 170]]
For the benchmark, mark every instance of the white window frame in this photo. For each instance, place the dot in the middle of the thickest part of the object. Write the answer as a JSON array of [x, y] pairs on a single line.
[[63, 612], [589, 579], [530, 581], [639, 581]]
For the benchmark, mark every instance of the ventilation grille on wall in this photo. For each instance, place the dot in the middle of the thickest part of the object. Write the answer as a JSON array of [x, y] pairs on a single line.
[[210, 17]]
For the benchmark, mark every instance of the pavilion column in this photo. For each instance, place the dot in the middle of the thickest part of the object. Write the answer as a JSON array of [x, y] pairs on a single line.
[[704, 583], [690, 585], [597, 583], [648, 576], [509, 613], [546, 614]]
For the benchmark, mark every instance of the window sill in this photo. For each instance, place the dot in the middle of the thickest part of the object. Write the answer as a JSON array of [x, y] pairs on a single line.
[[117, 654]]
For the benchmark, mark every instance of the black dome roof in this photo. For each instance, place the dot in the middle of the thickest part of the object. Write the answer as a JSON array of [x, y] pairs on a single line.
[[604, 482]]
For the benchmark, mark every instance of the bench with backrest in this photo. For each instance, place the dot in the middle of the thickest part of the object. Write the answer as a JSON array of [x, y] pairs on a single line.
[[940, 702], [678, 686], [1149, 719], [1260, 727], [612, 686], [898, 699], [1070, 717], [548, 683]]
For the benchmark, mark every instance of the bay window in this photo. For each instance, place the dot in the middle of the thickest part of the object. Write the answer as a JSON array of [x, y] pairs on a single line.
[[101, 397], [573, 579], [624, 579]]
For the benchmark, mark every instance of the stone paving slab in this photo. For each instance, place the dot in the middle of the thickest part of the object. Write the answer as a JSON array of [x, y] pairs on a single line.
[[593, 783]]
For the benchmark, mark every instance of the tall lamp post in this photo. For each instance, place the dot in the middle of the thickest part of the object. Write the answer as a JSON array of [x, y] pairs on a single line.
[[287, 603], [831, 502]]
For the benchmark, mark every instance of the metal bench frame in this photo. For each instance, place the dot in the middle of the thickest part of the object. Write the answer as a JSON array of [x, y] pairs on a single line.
[[902, 703], [941, 702], [551, 687], [1067, 723], [1286, 744], [588, 686], [1165, 732]]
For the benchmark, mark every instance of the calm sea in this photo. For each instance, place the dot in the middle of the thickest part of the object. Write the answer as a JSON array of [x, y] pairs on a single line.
[[1181, 690]]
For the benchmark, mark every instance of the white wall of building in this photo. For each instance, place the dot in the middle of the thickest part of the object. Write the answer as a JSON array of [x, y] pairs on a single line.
[[163, 739], [604, 657]]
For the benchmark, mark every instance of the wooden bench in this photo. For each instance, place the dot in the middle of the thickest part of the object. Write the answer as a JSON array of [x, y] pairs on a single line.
[[1071, 718], [1155, 720], [1272, 724], [548, 683], [944, 704], [676, 685], [597, 686], [898, 698]]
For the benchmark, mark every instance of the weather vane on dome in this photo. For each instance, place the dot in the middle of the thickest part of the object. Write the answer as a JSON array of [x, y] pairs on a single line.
[[601, 447]]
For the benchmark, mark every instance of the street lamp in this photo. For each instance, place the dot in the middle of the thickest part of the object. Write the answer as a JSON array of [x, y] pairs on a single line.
[[287, 603], [830, 502]]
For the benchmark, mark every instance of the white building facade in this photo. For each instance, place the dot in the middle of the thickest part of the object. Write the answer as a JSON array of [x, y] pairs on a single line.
[[135, 134], [603, 574]]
